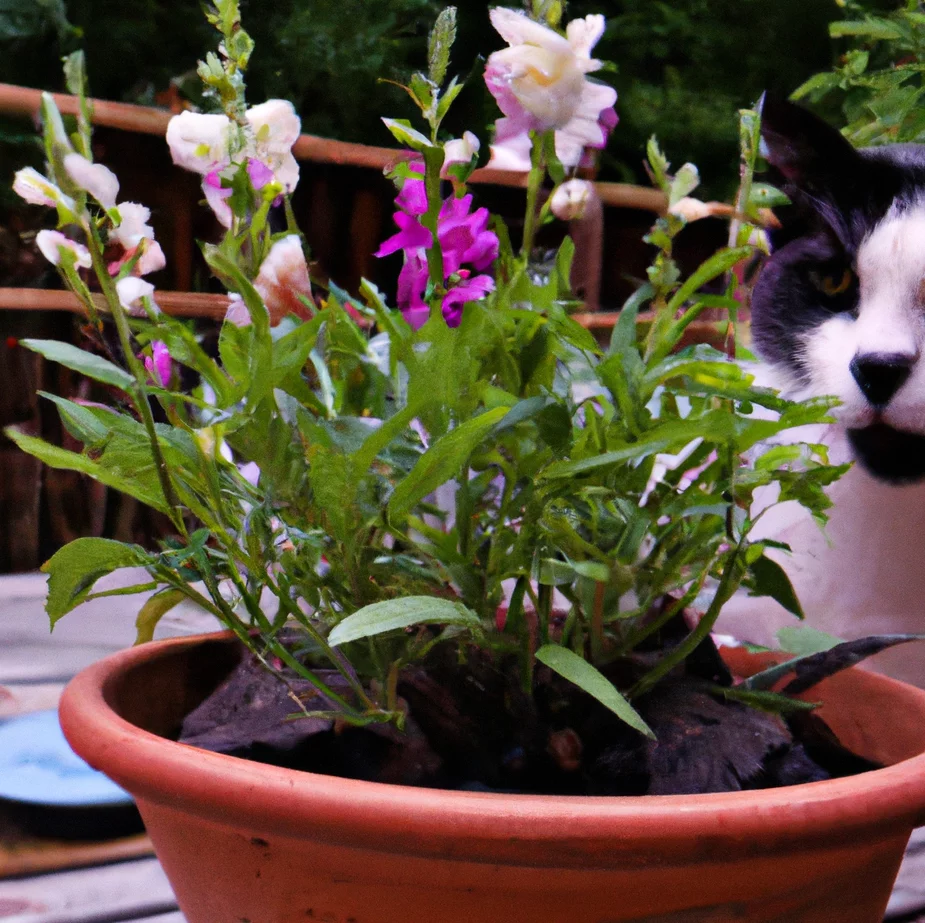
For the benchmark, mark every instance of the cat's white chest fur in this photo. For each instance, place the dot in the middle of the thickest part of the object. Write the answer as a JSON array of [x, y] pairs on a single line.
[[865, 574]]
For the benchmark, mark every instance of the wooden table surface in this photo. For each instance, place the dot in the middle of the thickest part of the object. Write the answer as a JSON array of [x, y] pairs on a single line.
[[54, 881]]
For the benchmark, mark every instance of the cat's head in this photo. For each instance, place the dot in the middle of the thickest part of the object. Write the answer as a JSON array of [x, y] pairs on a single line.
[[840, 304]]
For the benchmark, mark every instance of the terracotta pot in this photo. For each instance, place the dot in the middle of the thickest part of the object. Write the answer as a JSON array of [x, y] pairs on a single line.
[[246, 842]]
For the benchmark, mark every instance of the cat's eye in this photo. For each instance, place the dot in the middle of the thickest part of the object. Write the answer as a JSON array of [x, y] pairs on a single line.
[[832, 284]]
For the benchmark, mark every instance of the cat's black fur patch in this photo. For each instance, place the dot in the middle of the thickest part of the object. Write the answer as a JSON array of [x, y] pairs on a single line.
[[839, 195]]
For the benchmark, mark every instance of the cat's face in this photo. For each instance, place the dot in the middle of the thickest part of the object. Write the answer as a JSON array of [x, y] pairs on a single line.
[[840, 305]]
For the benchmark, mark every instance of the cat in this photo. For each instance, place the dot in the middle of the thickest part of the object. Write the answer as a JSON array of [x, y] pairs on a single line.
[[839, 309]]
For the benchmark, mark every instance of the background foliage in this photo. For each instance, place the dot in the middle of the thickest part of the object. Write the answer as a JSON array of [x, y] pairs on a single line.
[[682, 69]]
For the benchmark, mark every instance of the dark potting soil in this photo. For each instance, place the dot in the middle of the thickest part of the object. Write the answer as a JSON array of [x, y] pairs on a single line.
[[470, 726]]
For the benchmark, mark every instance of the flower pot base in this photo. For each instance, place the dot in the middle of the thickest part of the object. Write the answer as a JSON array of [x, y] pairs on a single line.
[[244, 841]]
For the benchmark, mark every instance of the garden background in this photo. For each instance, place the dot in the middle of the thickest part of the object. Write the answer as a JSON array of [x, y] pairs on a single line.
[[681, 70]]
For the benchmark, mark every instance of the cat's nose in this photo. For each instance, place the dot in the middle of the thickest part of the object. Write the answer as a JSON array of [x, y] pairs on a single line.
[[881, 375]]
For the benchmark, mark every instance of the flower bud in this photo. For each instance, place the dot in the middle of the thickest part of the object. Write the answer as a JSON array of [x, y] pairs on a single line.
[[570, 199]]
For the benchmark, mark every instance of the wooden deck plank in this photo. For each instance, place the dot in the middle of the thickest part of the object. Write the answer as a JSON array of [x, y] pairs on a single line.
[[104, 894]]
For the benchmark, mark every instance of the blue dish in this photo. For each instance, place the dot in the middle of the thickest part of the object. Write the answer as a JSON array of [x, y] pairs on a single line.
[[38, 767]]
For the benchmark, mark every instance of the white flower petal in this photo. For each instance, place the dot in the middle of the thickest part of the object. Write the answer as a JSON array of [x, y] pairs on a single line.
[[276, 125], [35, 188], [513, 153], [199, 142], [584, 34], [94, 178], [152, 258], [287, 173], [517, 28], [51, 243], [131, 290], [460, 150]]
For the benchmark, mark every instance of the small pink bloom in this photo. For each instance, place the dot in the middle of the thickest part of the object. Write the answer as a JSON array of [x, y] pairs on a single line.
[[412, 197], [570, 199], [460, 150], [467, 290], [159, 365], [260, 174], [237, 313]]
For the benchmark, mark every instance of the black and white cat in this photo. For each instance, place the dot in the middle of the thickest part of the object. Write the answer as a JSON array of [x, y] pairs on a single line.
[[839, 309]]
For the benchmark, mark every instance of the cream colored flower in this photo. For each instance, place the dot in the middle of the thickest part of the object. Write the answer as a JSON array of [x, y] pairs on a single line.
[[51, 243], [540, 83]]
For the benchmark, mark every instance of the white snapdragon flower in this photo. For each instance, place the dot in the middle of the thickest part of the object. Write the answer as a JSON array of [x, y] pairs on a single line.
[[131, 290], [94, 178], [276, 129], [203, 144], [540, 83], [51, 243], [570, 199], [199, 142], [133, 231]]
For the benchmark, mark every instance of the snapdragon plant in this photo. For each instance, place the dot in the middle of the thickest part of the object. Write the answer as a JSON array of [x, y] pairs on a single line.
[[458, 463]]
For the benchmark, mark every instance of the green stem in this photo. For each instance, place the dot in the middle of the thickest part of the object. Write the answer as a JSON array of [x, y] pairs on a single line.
[[727, 586], [534, 182], [136, 367]]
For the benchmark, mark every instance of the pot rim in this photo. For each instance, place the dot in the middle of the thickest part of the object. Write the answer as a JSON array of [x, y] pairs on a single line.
[[483, 826]]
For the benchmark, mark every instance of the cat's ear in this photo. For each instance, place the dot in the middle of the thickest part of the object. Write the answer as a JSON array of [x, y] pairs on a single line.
[[809, 153], [813, 164]]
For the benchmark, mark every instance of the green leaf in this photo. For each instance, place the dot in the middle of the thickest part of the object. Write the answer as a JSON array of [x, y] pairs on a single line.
[[685, 181], [803, 639], [442, 462], [577, 670], [877, 29], [721, 261], [153, 611], [768, 578], [394, 614], [79, 360], [406, 135], [74, 569], [441, 41], [139, 483]]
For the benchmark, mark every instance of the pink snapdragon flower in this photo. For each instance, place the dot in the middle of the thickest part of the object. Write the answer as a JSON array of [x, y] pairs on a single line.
[[540, 84], [465, 241]]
